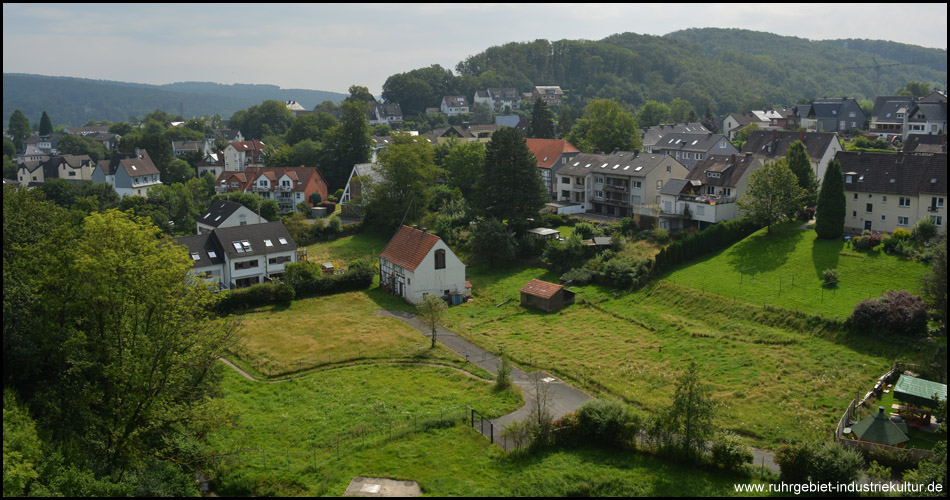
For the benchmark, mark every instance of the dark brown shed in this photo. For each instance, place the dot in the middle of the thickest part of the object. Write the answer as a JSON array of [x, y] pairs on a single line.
[[546, 296]]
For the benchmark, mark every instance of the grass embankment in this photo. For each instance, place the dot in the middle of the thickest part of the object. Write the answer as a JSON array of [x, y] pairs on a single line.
[[777, 375], [788, 266], [456, 461]]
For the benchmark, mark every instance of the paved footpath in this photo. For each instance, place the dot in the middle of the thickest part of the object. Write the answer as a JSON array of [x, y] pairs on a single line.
[[563, 398]]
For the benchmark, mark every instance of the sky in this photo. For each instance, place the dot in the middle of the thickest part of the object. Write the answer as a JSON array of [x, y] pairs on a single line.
[[332, 46]]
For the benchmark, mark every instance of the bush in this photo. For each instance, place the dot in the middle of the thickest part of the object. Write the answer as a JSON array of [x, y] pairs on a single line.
[[585, 230], [307, 278], [730, 453], [578, 277], [895, 312], [794, 461], [257, 295], [831, 276], [628, 226], [503, 380], [901, 234], [834, 463], [553, 220], [333, 224], [867, 242], [626, 272], [661, 235], [608, 423], [924, 230]]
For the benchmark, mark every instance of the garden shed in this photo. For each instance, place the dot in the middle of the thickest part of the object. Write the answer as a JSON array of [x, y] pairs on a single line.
[[546, 296], [544, 233], [919, 392]]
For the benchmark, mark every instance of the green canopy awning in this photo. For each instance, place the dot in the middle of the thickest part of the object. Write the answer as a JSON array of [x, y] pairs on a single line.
[[919, 392], [879, 428]]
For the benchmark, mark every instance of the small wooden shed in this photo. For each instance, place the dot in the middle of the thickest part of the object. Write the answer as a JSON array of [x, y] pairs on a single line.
[[546, 296]]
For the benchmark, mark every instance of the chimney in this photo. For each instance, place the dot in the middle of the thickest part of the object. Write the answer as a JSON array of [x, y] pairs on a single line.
[[732, 158], [615, 151], [900, 157], [774, 134], [636, 152], [801, 135], [424, 230], [137, 154], [880, 410]]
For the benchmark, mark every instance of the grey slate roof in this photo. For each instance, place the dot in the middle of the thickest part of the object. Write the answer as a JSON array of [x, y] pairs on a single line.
[[678, 141], [218, 212], [816, 143], [731, 168], [887, 107], [652, 135], [254, 234], [619, 163], [455, 101], [900, 174], [134, 166], [926, 143], [674, 187], [204, 245]]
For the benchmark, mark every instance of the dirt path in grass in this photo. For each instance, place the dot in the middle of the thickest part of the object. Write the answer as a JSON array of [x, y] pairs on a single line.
[[252, 379], [562, 397]]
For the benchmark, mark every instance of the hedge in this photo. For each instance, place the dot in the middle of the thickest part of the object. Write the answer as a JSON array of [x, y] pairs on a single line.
[[256, 295], [711, 239], [307, 278]]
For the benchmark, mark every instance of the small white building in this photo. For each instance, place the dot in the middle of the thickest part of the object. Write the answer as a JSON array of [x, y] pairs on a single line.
[[416, 263]]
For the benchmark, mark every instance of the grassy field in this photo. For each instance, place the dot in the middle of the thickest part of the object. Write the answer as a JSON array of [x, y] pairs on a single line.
[[347, 248], [319, 331], [456, 461], [788, 267]]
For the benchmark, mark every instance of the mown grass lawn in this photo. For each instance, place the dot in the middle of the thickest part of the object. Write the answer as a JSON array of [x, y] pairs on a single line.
[[361, 245], [788, 266], [456, 461]]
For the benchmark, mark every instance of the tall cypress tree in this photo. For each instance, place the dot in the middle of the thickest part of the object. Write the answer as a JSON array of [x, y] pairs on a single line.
[[831, 203], [510, 186], [46, 125], [542, 121], [19, 128]]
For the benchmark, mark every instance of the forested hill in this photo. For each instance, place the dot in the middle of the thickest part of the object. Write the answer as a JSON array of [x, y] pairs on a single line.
[[721, 68], [74, 101]]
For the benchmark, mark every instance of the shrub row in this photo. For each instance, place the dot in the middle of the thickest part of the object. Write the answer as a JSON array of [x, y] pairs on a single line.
[[307, 278], [711, 239], [256, 295]]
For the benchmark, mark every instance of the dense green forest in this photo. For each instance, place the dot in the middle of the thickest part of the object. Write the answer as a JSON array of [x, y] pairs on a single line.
[[74, 101]]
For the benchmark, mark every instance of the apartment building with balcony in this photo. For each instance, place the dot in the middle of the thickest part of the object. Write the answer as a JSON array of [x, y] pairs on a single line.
[[288, 186], [708, 194]]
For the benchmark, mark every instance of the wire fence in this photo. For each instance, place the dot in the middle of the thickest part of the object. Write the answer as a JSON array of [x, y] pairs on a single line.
[[358, 437]]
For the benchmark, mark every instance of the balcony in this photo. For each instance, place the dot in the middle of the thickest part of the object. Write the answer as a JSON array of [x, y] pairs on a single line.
[[615, 188], [708, 199], [933, 209]]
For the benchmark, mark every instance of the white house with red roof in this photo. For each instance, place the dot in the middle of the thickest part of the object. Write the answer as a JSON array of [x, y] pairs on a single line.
[[238, 156], [417, 262], [287, 185]]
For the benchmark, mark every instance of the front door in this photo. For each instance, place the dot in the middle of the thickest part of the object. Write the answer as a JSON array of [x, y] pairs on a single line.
[[867, 225]]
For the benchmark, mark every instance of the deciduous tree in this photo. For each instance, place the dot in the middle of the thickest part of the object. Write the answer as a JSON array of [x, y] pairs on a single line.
[[19, 129], [653, 113], [605, 126], [772, 195], [346, 144], [432, 309], [492, 239], [408, 169], [692, 411]]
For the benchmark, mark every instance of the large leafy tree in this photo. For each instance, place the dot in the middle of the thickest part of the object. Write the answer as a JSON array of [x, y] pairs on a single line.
[[360, 93], [269, 118], [510, 186], [772, 195], [682, 111], [346, 144], [542, 121], [463, 165], [800, 164], [125, 365], [408, 170], [492, 239], [312, 126], [71, 144], [653, 113], [832, 205], [605, 126], [19, 128], [46, 125]]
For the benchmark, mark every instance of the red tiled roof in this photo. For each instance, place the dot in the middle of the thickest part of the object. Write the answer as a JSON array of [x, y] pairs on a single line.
[[408, 247], [547, 151], [541, 289]]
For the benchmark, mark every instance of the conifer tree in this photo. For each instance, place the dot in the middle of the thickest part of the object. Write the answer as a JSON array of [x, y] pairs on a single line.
[[46, 125], [510, 186], [542, 121], [831, 203]]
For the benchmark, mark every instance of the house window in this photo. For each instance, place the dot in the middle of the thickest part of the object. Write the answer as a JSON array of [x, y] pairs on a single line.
[[699, 156], [848, 178], [855, 196], [884, 199], [854, 214], [245, 265], [937, 220], [883, 218], [279, 260], [637, 184], [903, 221], [667, 169], [903, 202], [722, 143], [440, 259], [565, 180], [659, 184], [936, 202], [869, 208]]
